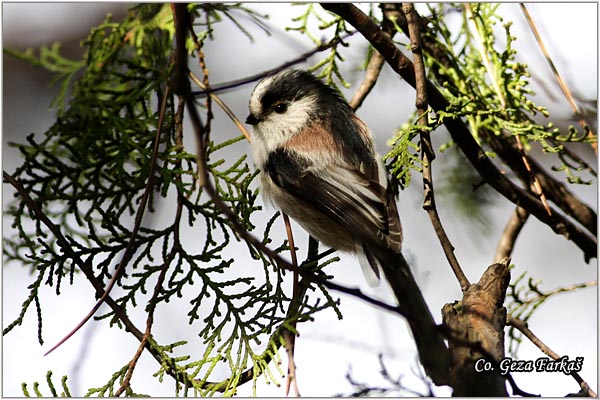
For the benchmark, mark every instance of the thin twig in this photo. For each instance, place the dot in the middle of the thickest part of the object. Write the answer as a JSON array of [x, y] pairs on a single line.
[[390, 15], [238, 124], [427, 152], [535, 183], [523, 328], [511, 232], [255, 77], [130, 249], [176, 247], [371, 74], [561, 82], [290, 336], [88, 272], [541, 296], [570, 288]]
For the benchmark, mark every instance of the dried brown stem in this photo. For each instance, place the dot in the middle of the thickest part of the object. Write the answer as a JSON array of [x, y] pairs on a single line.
[[536, 187], [238, 124], [524, 328], [290, 336], [511, 232], [561, 82]]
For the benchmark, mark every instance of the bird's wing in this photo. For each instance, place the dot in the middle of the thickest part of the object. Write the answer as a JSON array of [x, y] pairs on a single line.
[[345, 194]]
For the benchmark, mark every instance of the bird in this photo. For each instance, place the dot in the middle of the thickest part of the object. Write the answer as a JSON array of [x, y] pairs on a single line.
[[318, 164]]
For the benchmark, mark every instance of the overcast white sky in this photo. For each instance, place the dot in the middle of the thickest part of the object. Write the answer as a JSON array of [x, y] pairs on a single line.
[[327, 348]]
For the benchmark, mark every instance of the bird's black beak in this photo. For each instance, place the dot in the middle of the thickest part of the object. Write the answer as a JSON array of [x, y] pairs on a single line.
[[251, 120]]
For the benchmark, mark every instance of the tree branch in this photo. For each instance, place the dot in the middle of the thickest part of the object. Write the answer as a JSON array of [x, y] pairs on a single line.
[[461, 135], [511, 232], [506, 148], [478, 321], [427, 152], [371, 75], [390, 13]]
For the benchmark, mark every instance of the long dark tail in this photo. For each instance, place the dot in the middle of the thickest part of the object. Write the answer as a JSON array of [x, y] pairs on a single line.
[[433, 353]]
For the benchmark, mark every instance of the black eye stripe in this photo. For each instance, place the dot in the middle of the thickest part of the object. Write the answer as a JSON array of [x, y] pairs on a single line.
[[274, 99], [286, 89]]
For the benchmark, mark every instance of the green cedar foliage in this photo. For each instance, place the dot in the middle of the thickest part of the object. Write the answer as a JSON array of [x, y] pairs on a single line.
[[88, 174]]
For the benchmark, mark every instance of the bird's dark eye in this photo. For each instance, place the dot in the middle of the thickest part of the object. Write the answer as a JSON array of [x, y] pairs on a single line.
[[280, 108]]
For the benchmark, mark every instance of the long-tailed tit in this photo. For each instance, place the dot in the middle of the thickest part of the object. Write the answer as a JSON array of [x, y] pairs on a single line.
[[318, 164]]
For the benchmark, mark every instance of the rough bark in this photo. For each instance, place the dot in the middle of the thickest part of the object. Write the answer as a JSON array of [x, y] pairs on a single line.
[[476, 331]]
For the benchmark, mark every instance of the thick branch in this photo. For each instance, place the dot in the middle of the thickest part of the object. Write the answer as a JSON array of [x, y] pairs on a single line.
[[554, 190], [478, 322], [390, 13], [461, 135]]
